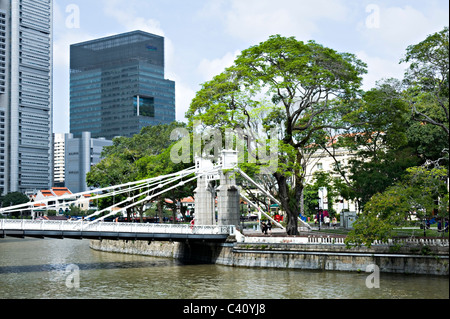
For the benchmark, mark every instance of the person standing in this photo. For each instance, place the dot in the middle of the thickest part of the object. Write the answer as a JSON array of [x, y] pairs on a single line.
[[269, 227], [264, 228]]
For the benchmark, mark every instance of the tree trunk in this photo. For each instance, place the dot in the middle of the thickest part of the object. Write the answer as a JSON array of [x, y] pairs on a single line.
[[141, 213], [183, 211], [129, 215], [292, 223], [290, 206], [174, 213], [160, 210]]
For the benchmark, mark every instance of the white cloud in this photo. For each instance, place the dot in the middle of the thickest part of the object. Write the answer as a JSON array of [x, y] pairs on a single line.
[[61, 46], [256, 20], [63, 37], [124, 12], [183, 97], [61, 67], [378, 69], [210, 68], [400, 27]]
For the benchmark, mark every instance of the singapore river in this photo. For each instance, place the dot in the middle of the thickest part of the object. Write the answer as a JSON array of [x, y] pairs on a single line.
[[61, 269]]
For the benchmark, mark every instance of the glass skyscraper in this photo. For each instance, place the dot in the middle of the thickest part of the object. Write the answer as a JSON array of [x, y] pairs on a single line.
[[25, 95], [117, 85]]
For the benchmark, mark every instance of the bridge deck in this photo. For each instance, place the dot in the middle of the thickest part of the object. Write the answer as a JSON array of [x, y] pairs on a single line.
[[115, 231]]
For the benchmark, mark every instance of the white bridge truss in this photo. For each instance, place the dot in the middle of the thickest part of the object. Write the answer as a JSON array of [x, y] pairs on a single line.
[[139, 192]]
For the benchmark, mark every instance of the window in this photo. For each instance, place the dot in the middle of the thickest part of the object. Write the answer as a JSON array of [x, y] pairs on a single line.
[[144, 106]]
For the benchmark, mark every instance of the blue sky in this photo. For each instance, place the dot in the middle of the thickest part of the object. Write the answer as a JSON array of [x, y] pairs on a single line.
[[202, 37]]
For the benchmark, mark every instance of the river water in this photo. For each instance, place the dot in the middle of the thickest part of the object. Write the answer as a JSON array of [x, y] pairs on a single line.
[[60, 269]]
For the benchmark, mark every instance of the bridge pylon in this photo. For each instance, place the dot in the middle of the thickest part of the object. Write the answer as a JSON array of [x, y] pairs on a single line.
[[217, 181]]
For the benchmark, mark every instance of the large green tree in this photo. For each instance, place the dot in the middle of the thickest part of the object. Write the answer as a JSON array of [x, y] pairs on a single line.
[[427, 80], [13, 198], [422, 193], [379, 140], [302, 89]]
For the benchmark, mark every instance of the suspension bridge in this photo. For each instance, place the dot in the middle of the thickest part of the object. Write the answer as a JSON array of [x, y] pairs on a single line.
[[206, 226]]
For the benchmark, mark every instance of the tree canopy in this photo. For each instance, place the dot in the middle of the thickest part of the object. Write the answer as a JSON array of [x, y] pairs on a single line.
[[422, 193], [427, 79], [300, 88]]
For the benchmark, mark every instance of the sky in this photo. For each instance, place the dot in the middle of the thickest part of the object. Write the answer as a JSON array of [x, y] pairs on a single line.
[[203, 37]]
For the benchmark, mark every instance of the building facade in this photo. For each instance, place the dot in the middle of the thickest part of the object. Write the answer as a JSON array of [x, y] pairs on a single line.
[[25, 95], [117, 85], [59, 159], [321, 161], [80, 155]]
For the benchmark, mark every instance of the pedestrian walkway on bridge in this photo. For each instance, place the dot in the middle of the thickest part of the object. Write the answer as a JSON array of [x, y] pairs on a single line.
[[110, 230]]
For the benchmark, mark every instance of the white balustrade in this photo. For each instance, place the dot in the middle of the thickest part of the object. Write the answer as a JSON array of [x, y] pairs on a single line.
[[84, 226], [10, 224]]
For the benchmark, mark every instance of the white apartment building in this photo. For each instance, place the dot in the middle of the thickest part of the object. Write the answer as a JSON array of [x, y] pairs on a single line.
[[58, 159], [321, 160]]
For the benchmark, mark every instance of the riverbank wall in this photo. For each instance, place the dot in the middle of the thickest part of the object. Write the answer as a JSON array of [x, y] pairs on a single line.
[[327, 254]]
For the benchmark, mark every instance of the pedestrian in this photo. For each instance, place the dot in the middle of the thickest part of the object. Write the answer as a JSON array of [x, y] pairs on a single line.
[[269, 227], [334, 222], [326, 220], [264, 228]]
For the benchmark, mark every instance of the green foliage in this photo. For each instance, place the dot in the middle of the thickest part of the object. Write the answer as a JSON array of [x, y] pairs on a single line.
[[424, 187], [300, 88], [379, 139], [422, 192], [14, 198], [367, 229], [311, 191], [142, 156], [427, 80]]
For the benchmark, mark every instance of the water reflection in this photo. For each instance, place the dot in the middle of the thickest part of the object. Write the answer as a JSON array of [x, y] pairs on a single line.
[[37, 269]]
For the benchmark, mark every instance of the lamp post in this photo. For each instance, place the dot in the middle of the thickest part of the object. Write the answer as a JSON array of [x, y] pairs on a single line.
[[318, 211]]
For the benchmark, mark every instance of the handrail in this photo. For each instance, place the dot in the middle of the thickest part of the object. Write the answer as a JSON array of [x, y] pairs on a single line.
[[49, 225]]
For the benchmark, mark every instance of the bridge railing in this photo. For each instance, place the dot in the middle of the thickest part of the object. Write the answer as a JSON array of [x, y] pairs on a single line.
[[11, 224], [159, 228]]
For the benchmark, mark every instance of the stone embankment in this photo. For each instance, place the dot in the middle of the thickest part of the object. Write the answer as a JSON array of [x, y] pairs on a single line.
[[419, 256]]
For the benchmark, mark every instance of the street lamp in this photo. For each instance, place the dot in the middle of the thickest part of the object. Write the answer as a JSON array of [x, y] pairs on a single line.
[[318, 211]]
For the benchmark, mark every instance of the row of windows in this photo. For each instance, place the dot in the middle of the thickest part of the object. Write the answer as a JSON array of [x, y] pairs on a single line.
[[34, 5], [32, 156], [35, 116], [29, 163], [119, 40], [2, 52], [31, 75], [34, 40]]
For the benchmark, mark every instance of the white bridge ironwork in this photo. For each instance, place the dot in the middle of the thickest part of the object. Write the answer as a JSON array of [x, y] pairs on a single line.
[[110, 230], [138, 193]]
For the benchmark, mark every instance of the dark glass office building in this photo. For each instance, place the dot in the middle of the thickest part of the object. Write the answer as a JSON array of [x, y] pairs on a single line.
[[117, 85]]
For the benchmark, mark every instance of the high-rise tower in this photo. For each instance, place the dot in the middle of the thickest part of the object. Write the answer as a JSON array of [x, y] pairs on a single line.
[[117, 85], [25, 95]]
